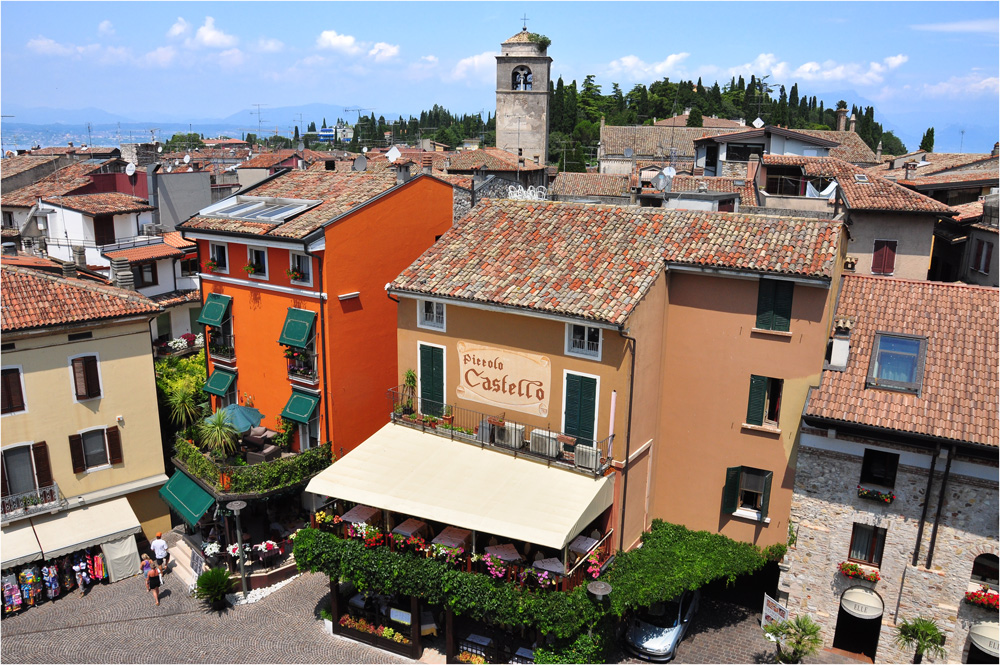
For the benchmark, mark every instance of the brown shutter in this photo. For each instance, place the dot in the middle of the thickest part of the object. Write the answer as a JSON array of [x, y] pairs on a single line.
[[13, 400], [878, 258], [889, 265], [114, 445], [76, 453], [93, 378], [43, 471], [80, 378], [3, 479]]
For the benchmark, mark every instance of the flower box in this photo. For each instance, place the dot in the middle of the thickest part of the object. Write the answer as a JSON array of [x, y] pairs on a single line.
[[984, 597], [495, 421], [875, 495], [566, 439], [855, 571]]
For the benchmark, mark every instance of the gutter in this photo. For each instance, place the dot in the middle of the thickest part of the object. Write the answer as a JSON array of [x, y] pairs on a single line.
[[322, 333], [895, 436], [628, 439]]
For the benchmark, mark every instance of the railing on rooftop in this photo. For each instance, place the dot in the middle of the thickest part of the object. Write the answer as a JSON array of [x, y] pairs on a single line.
[[221, 347], [23, 504]]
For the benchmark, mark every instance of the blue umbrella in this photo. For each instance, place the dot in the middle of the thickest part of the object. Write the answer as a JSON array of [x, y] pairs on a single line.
[[242, 417]]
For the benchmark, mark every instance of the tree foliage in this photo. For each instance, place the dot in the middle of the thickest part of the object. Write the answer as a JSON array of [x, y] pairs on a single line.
[[891, 145], [181, 142], [927, 142], [797, 639], [923, 636]]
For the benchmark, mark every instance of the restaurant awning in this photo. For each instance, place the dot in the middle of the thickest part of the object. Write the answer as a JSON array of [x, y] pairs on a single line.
[[214, 311], [300, 407], [434, 478], [986, 636], [76, 529], [298, 328], [219, 382], [186, 497], [19, 545]]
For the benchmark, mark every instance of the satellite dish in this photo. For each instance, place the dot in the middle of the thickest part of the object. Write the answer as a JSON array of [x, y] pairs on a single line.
[[365, 149], [302, 145], [758, 123], [393, 154], [159, 148], [130, 169], [629, 152], [360, 163], [659, 182], [169, 169], [670, 172], [187, 159]]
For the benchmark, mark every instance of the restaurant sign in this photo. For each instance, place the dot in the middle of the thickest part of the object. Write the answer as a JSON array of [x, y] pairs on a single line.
[[500, 377]]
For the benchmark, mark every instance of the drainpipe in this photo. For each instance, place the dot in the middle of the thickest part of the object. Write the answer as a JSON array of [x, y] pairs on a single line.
[[937, 514], [923, 513], [628, 440], [322, 334]]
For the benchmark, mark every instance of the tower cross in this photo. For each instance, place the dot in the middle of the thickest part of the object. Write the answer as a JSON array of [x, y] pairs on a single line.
[[525, 20]]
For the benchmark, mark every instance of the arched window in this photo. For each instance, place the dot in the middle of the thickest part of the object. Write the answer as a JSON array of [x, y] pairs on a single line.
[[520, 79], [985, 570]]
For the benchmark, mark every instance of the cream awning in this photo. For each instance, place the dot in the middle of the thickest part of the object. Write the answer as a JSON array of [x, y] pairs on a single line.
[[434, 478], [76, 529], [19, 545], [862, 602], [986, 636]]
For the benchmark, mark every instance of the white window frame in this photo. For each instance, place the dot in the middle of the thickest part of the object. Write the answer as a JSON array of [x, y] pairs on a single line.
[[576, 353], [107, 453], [309, 274], [421, 323], [304, 437], [225, 250], [24, 395], [747, 513], [72, 377], [597, 402], [258, 248], [31, 458]]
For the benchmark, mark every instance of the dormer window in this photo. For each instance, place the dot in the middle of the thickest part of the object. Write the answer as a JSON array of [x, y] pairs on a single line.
[[897, 362]]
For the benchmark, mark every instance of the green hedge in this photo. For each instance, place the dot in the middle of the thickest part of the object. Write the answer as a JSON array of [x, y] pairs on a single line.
[[255, 478]]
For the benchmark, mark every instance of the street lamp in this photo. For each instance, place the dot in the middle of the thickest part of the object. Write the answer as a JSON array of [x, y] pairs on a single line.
[[236, 507]]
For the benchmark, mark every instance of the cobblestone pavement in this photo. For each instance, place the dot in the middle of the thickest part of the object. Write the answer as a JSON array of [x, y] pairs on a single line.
[[118, 623]]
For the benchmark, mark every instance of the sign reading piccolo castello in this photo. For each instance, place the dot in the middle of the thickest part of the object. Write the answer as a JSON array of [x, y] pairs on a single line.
[[501, 377]]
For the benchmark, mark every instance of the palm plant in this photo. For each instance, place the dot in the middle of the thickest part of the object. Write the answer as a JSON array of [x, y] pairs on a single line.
[[922, 635], [216, 434], [796, 639], [212, 587], [185, 403]]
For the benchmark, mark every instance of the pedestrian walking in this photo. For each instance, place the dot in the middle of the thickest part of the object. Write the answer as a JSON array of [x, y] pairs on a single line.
[[153, 582], [160, 552]]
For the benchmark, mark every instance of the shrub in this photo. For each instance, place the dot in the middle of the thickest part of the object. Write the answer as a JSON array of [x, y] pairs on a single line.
[[213, 586]]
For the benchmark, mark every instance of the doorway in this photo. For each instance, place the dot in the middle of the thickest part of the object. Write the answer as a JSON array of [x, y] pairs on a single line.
[[859, 622]]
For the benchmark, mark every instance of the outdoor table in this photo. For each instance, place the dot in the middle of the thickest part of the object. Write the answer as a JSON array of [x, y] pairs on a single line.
[[582, 544], [553, 565], [479, 639], [411, 527], [452, 536], [504, 552], [361, 513]]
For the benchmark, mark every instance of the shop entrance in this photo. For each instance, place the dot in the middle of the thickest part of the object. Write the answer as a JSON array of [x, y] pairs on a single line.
[[859, 621]]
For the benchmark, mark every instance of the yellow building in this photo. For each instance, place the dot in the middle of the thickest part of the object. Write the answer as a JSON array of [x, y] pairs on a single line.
[[82, 457]]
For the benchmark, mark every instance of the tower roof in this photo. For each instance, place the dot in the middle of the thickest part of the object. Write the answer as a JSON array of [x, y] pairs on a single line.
[[523, 37]]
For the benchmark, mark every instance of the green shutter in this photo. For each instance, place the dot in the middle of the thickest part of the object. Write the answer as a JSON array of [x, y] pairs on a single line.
[[196, 328], [765, 305], [298, 327], [755, 405], [766, 497], [431, 379], [219, 382], [731, 492], [214, 311], [783, 305], [300, 407], [581, 398]]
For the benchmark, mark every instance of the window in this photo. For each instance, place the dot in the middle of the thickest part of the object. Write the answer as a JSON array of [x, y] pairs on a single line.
[[983, 255], [12, 391], [95, 448], [520, 79], [774, 305], [897, 362], [747, 492], [189, 267], [764, 404], [309, 434], [867, 543], [220, 255], [163, 328], [879, 468], [740, 152], [86, 378], [583, 340], [19, 473], [430, 314], [884, 257], [144, 275], [299, 263], [985, 570], [104, 230], [76, 337], [8, 220], [257, 257]]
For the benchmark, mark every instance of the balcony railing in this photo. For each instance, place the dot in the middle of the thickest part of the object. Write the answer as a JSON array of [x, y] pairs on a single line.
[[38, 500], [496, 431], [222, 347], [303, 368]]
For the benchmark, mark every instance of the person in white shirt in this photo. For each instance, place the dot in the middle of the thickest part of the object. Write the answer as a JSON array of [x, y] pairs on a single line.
[[160, 552]]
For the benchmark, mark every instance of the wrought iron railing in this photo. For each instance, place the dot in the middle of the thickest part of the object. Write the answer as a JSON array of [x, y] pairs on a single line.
[[37, 500], [222, 347], [303, 368]]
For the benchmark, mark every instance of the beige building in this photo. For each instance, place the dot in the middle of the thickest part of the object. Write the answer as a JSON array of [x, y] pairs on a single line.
[[82, 457]]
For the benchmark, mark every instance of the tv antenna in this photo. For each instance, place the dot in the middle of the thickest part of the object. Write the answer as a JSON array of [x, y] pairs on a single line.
[[152, 133], [257, 113]]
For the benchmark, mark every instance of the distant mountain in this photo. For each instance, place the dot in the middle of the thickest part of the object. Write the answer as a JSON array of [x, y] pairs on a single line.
[[40, 115]]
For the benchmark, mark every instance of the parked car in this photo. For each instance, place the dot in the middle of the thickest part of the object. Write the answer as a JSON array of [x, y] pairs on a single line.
[[653, 633]]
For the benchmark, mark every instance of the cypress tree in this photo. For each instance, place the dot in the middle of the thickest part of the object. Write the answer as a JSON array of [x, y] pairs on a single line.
[[927, 142]]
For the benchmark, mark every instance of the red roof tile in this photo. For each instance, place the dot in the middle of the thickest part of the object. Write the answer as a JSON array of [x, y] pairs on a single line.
[[958, 397], [968, 211], [175, 239], [490, 159], [21, 163], [991, 177], [108, 203], [936, 162], [706, 122], [143, 253], [64, 181], [590, 184], [179, 297]]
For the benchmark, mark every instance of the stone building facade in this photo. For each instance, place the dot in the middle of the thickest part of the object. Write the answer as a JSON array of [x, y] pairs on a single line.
[[522, 114]]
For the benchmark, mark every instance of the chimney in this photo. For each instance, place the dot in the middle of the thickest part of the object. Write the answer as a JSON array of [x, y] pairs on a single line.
[[910, 168], [121, 274], [853, 121], [426, 163], [840, 348], [402, 172], [878, 152], [68, 269], [841, 119], [80, 256], [996, 149], [9, 249], [70, 144]]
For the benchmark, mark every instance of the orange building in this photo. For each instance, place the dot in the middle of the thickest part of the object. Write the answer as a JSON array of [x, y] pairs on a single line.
[[293, 280]]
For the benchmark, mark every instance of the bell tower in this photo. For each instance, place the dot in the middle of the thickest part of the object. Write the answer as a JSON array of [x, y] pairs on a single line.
[[522, 115]]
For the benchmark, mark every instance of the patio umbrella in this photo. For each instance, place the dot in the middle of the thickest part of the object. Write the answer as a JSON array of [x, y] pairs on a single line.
[[242, 417]]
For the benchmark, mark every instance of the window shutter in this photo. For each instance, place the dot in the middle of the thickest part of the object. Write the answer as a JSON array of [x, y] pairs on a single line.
[[93, 378], [730, 493], [3, 479], [13, 399], [766, 495], [43, 471], [765, 304], [114, 445], [783, 305], [755, 405], [572, 415], [889, 265], [76, 453], [989, 256], [80, 378], [878, 257], [977, 262]]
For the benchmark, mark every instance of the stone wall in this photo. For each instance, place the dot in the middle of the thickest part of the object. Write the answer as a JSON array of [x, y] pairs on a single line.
[[461, 203], [733, 169], [825, 505]]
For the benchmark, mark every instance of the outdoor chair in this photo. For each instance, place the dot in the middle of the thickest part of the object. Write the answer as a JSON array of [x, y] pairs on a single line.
[[266, 454], [259, 437]]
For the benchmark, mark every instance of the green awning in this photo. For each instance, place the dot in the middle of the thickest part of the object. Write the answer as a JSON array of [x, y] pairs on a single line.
[[219, 382], [186, 497], [214, 311], [300, 407], [298, 328]]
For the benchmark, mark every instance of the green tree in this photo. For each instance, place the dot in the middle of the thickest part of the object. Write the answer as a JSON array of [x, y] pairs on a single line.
[[216, 434], [186, 402], [324, 122], [927, 142], [922, 635], [891, 145], [312, 128], [180, 142], [796, 639], [296, 133], [695, 118], [590, 99]]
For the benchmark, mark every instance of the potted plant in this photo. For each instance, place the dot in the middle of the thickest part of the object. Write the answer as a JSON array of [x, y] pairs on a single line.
[[796, 639], [213, 586], [875, 495], [211, 265], [984, 597], [295, 275], [496, 421], [922, 635], [211, 551], [853, 570], [250, 269], [566, 439], [409, 390], [327, 617], [447, 416]]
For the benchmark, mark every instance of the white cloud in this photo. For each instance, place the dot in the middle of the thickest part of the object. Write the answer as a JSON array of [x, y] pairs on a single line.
[[894, 61], [476, 67], [46, 46], [829, 70], [382, 51], [329, 39], [179, 29], [430, 59], [632, 68], [312, 61], [971, 85], [160, 57], [106, 28], [422, 68], [211, 37], [232, 58], [265, 45], [989, 25]]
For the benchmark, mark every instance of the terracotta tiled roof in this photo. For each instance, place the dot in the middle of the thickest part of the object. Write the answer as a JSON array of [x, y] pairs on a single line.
[[266, 160], [523, 37], [33, 299], [954, 177], [711, 123], [590, 184], [653, 141], [958, 398], [490, 159], [968, 211], [597, 261], [10, 233], [852, 147], [179, 297], [688, 183], [74, 150], [175, 239], [143, 253], [21, 163], [64, 181], [985, 227], [108, 203], [938, 162], [463, 181], [876, 194]]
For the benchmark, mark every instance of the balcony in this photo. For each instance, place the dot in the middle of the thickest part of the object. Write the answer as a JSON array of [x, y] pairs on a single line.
[[302, 367], [24, 504], [496, 431], [222, 347]]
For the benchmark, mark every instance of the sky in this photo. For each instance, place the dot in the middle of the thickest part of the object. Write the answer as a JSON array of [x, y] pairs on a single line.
[[920, 64]]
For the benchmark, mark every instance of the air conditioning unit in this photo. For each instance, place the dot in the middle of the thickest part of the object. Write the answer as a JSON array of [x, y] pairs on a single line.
[[544, 442], [149, 229], [511, 435], [587, 457]]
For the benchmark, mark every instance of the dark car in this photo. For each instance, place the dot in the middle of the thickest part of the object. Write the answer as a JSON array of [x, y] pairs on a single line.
[[654, 632]]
